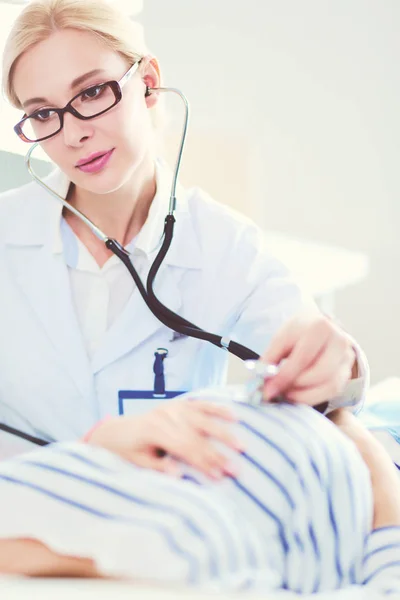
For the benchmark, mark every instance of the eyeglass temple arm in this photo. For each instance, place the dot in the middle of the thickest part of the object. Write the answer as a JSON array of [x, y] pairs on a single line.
[[125, 78]]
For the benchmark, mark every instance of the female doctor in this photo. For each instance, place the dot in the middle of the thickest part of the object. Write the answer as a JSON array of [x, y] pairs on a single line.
[[77, 340]]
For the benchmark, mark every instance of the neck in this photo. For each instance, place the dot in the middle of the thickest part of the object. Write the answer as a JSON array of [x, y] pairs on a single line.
[[120, 214]]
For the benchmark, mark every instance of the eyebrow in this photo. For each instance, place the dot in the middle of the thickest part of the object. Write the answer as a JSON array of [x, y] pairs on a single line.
[[76, 82]]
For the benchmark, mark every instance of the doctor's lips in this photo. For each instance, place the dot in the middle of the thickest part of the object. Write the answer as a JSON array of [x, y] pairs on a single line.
[[94, 162]]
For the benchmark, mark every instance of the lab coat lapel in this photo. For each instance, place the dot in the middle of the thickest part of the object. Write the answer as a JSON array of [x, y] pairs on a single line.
[[137, 323], [43, 279], [42, 276]]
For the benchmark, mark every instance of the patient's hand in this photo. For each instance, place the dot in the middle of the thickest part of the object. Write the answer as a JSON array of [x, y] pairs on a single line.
[[182, 429], [384, 475]]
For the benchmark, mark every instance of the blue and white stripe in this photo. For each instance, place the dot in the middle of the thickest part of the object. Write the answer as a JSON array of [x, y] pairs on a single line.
[[382, 561], [297, 517]]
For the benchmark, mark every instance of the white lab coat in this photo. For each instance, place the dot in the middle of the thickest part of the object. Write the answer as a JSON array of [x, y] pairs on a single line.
[[218, 273]]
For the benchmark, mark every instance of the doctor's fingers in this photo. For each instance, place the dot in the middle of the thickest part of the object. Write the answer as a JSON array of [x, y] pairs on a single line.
[[329, 363], [304, 353], [323, 392], [292, 331]]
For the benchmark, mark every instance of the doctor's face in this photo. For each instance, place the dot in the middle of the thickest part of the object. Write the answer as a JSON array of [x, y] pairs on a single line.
[[51, 73]]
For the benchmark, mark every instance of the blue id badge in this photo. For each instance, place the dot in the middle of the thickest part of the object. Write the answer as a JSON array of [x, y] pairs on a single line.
[[137, 402]]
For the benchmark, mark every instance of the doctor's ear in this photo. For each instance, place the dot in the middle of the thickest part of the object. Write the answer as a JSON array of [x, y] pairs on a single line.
[[150, 71]]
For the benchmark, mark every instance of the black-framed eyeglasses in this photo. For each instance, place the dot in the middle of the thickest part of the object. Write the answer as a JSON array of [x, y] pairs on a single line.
[[88, 104]]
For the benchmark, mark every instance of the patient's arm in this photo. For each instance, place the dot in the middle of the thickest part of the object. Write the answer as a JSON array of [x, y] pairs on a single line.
[[382, 552], [385, 478], [33, 559]]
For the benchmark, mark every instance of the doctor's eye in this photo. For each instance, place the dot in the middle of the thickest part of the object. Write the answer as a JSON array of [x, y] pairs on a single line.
[[93, 92], [43, 115]]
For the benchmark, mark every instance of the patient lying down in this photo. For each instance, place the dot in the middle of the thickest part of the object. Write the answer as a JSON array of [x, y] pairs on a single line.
[[245, 498]]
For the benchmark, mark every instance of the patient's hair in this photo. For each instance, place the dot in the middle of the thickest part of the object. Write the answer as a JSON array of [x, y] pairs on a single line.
[[41, 18]]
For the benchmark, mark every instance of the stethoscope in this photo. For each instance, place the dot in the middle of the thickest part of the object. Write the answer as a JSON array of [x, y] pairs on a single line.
[[169, 318]]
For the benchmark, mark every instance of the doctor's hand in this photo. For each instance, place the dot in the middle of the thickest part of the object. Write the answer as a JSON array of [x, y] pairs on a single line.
[[181, 430], [318, 360]]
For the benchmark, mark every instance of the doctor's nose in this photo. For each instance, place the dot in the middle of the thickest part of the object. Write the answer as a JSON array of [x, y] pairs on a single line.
[[75, 131]]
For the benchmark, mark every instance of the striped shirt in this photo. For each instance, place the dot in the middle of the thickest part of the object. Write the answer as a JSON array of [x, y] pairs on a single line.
[[297, 517]]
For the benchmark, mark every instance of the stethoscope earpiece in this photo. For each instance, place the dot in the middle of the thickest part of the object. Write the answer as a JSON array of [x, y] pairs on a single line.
[[147, 93]]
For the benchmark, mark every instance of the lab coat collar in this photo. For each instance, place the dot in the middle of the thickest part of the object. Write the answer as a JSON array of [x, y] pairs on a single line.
[[34, 212], [40, 222]]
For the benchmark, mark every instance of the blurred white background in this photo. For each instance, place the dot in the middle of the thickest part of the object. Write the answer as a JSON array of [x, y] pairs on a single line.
[[295, 121]]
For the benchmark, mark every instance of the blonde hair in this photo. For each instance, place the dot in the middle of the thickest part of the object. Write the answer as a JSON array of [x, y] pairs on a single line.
[[41, 18]]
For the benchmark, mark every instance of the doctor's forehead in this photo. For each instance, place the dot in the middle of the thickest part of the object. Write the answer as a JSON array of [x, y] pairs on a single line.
[[55, 68]]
